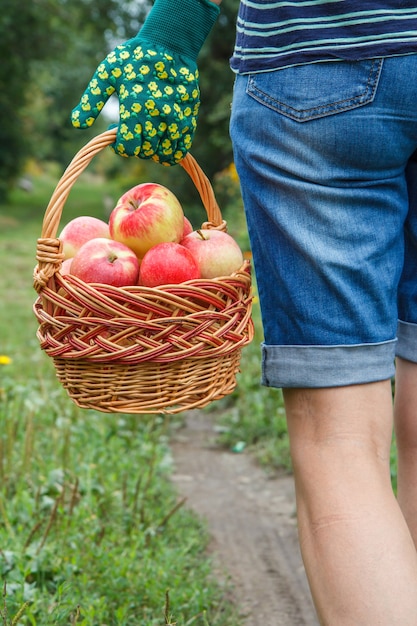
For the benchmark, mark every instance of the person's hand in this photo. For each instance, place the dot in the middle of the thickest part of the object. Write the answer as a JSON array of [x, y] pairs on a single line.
[[155, 76]]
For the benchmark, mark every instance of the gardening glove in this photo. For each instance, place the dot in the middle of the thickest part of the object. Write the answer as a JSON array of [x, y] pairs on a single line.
[[155, 76]]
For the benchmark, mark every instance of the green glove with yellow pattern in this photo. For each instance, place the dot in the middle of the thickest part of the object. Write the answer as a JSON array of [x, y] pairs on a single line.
[[155, 76]]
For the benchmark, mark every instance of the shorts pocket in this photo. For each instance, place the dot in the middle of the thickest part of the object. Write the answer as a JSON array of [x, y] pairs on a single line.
[[307, 92]]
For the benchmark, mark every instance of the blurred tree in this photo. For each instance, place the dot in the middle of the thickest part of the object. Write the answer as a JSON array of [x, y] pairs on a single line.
[[49, 49]]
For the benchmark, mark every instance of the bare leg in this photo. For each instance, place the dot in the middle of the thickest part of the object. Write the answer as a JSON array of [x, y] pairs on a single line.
[[406, 434], [358, 553]]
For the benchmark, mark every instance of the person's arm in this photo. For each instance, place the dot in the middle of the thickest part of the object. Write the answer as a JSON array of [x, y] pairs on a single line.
[[155, 76]]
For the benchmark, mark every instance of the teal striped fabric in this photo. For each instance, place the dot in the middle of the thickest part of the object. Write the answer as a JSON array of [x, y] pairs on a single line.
[[274, 34]]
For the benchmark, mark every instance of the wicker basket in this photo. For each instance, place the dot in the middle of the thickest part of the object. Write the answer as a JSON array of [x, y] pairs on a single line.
[[136, 349]]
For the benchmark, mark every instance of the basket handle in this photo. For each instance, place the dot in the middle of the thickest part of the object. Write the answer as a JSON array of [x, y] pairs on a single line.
[[49, 249], [82, 159]]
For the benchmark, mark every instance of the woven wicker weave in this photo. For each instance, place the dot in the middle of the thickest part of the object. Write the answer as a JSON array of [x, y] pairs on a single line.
[[138, 349]]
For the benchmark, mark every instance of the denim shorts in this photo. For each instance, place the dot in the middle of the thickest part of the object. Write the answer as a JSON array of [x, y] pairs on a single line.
[[327, 159]]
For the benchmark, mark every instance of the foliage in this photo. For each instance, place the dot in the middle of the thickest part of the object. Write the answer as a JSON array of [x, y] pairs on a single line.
[[49, 49]]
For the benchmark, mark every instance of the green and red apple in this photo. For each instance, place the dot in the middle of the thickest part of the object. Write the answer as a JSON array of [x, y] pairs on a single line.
[[106, 261], [80, 230], [188, 227], [146, 215], [66, 266], [216, 252]]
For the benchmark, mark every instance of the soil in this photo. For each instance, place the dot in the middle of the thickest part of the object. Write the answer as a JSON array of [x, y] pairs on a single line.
[[251, 519]]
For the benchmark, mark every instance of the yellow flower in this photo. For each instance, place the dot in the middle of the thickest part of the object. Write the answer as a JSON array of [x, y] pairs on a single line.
[[136, 107], [174, 135], [120, 149], [5, 360], [138, 53], [129, 71], [116, 72], [187, 141], [123, 92], [147, 148], [166, 146]]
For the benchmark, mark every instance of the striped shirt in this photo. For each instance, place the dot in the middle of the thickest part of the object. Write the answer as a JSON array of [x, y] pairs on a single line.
[[278, 33]]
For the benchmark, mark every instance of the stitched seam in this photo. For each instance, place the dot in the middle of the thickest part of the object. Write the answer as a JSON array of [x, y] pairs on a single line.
[[346, 104]]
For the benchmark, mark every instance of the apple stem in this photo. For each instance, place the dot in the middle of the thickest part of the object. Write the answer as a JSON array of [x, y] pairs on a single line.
[[201, 234]]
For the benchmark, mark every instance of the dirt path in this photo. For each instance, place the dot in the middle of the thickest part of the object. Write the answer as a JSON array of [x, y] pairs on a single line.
[[251, 519]]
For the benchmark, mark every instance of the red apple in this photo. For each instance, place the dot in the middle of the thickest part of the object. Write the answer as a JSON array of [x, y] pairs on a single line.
[[102, 260], [216, 252], [79, 230], [167, 263], [146, 215], [66, 266], [188, 227]]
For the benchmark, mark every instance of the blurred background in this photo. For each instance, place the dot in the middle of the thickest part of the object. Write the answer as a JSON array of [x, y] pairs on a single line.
[[49, 51]]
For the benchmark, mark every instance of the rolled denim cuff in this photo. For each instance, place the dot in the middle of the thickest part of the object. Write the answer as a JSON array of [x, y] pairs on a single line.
[[407, 341], [327, 366]]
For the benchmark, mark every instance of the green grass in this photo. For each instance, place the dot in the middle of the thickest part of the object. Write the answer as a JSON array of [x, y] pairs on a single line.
[[92, 532]]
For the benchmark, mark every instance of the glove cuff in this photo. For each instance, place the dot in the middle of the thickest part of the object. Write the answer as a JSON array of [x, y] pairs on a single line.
[[180, 26]]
